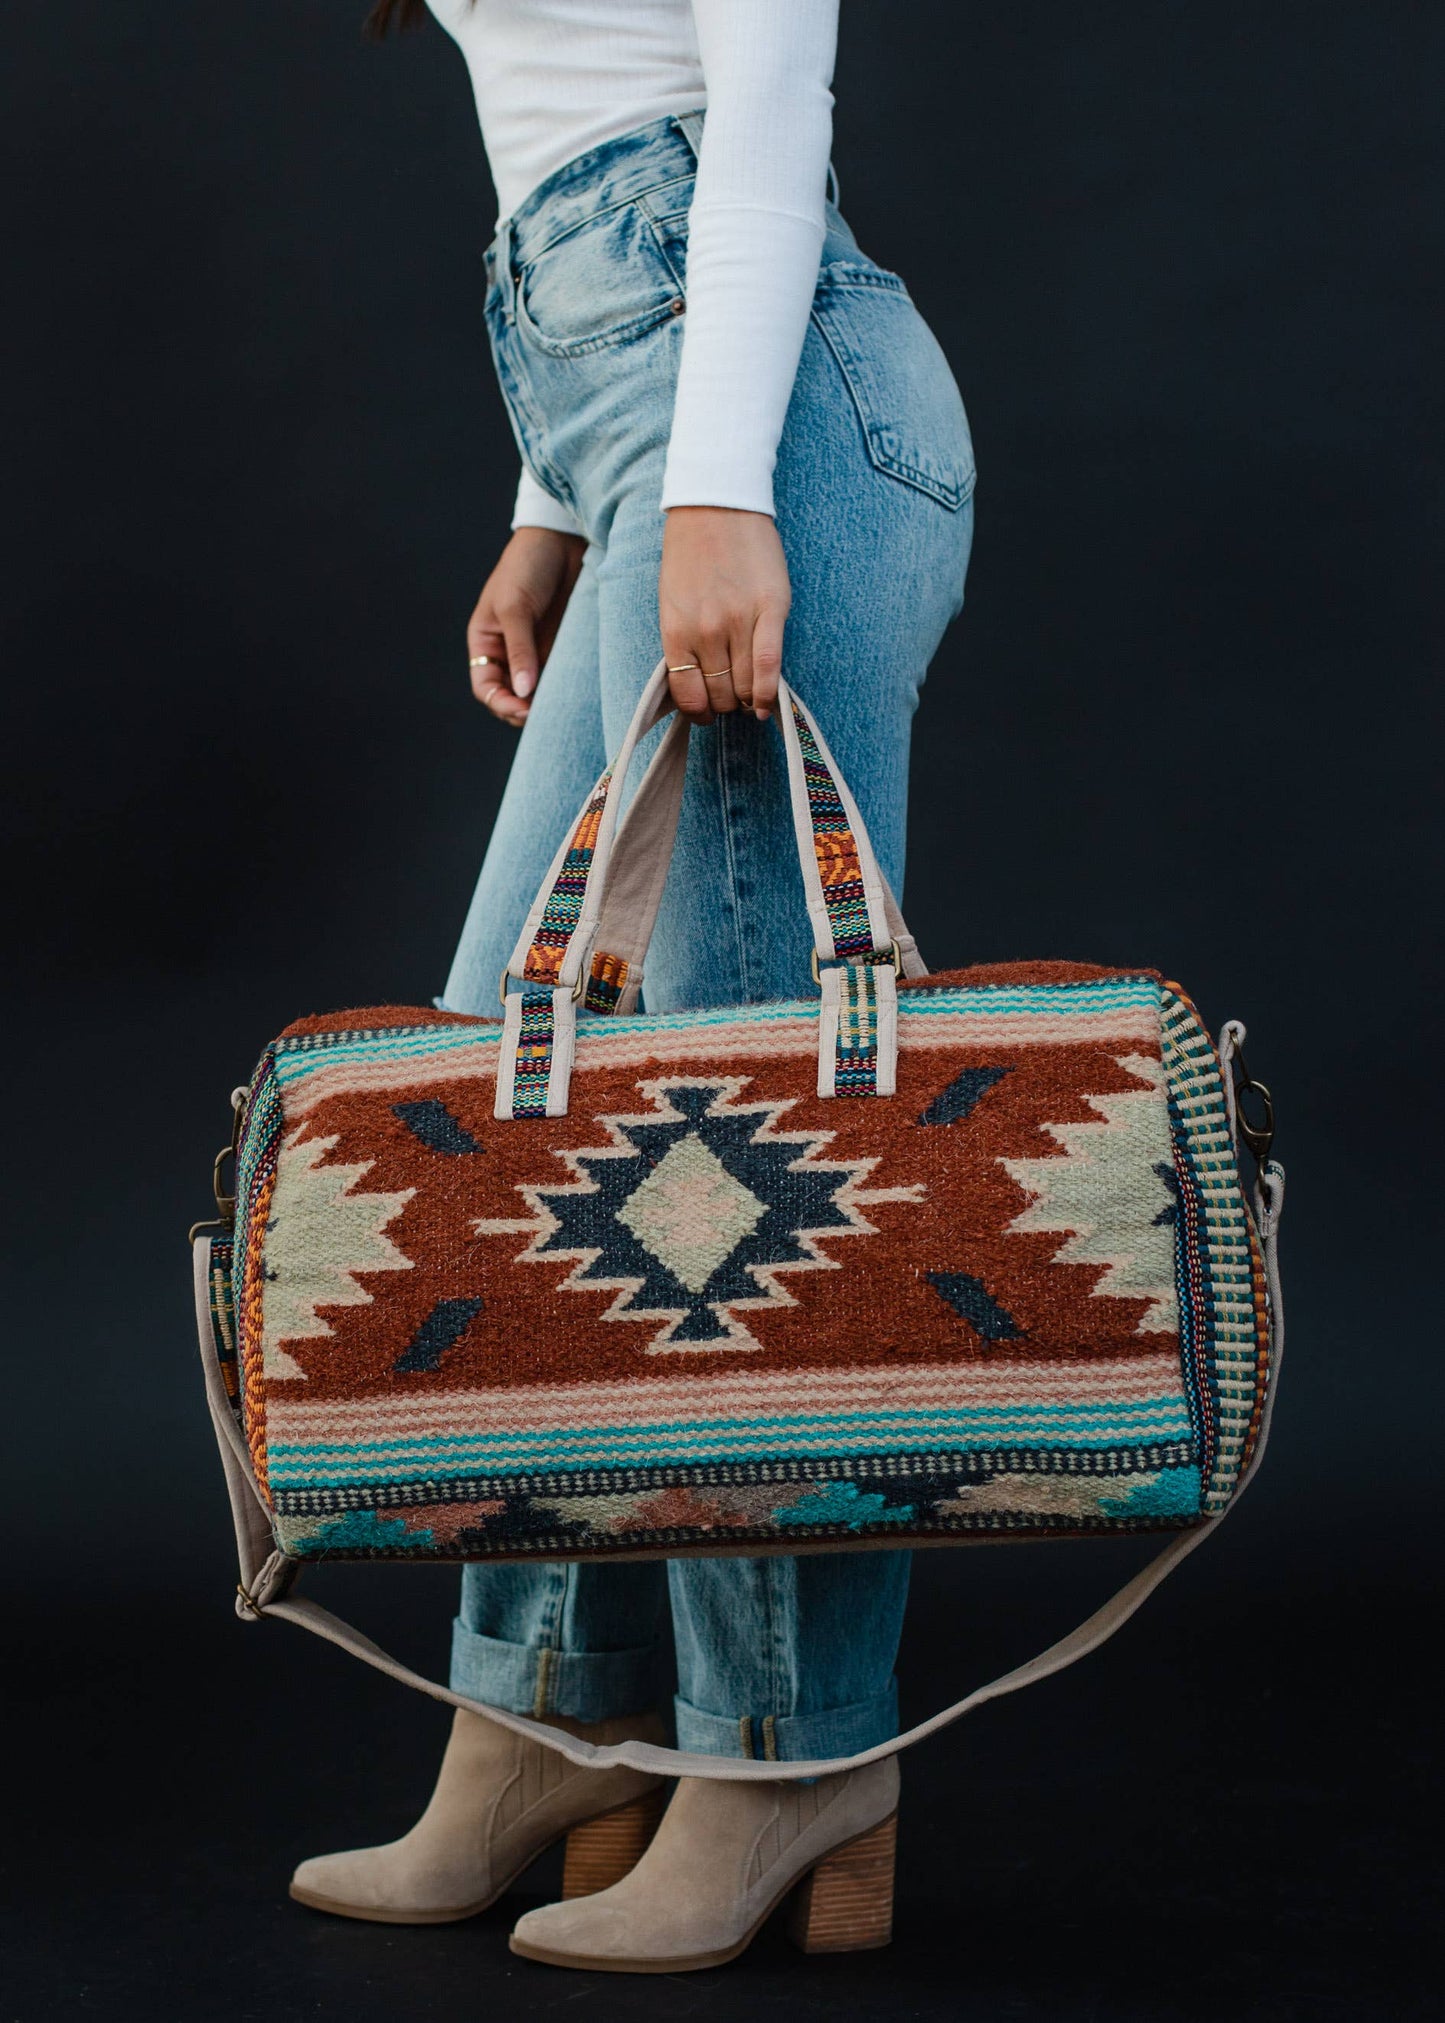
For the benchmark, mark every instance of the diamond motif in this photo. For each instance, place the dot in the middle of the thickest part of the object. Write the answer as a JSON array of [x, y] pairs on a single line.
[[694, 1211], [690, 1212]]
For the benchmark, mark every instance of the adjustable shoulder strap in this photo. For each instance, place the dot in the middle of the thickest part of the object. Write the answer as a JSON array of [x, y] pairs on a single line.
[[266, 1576]]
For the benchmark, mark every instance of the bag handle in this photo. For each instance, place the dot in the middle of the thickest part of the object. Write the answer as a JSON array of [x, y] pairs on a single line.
[[267, 1577], [846, 896], [640, 861]]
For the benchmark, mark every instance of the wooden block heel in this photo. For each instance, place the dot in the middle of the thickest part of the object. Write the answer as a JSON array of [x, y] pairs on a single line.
[[845, 1905], [601, 1851]]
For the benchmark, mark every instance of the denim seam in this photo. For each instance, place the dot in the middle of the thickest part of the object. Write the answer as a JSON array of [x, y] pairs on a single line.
[[559, 1578], [639, 197], [618, 338], [772, 1575], [729, 844], [656, 227], [527, 428], [952, 497], [840, 275]]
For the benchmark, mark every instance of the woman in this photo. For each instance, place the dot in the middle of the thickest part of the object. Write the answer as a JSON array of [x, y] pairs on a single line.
[[735, 431]]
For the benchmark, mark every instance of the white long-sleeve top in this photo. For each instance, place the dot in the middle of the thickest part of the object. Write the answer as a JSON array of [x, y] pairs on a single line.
[[553, 78]]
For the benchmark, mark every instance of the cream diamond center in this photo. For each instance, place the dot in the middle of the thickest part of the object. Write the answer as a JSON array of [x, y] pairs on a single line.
[[691, 1213]]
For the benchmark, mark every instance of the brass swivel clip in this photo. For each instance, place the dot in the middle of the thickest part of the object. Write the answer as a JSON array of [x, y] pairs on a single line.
[[1257, 1132], [225, 1216]]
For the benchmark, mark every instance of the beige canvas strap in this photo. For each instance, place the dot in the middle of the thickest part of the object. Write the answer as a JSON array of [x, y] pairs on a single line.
[[638, 872], [266, 1577]]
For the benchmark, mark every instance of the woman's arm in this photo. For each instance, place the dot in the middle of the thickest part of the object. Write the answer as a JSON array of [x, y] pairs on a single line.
[[755, 234], [754, 239]]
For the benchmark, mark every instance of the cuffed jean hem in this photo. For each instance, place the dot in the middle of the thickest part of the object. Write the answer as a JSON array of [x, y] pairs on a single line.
[[539, 1680], [790, 1738]]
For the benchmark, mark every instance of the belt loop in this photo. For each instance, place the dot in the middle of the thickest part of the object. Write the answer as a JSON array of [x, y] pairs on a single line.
[[689, 125]]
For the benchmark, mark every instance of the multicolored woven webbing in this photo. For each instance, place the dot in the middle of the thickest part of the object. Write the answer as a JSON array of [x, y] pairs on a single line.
[[564, 903], [534, 1055], [855, 1070], [840, 870], [606, 981]]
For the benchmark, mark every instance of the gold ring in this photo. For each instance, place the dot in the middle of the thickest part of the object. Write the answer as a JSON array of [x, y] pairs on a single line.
[[687, 667], [721, 674], [480, 660]]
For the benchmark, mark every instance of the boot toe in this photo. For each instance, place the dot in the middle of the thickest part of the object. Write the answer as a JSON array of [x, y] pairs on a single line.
[[344, 1882], [371, 1883], [584, 1928]]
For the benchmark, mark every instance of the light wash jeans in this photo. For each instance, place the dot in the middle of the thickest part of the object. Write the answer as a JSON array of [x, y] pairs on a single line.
[[777, 1657]]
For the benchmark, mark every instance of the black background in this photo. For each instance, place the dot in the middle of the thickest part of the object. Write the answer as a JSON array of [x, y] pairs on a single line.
[[1180, 256]]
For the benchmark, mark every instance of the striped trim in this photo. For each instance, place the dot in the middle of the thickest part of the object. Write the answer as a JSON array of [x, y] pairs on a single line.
[[744, 1391], [961, 1425], [916, 1469], [313, 1067], [1224, 1323], [256, 1167]]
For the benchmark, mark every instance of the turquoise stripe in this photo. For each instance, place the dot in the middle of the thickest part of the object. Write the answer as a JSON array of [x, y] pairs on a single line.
[[293, 1066], [295, 1059], [292, 1466], [1068, 1000], [1055, 1000], [767, 1423]]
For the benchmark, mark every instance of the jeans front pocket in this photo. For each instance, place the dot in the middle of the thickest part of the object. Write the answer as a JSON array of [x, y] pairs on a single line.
[[905, 393], [600, 285]]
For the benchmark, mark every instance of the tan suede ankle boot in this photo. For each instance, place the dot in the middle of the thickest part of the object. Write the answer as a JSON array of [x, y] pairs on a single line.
[[724, 1857], [500, 1799]]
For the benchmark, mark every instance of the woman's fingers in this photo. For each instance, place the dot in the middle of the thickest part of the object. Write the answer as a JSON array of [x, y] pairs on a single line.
[[714, 651], [723, 595], [766, 657], [489, 670], [502, 655], [519, 634], [684, 678], [517, 617]]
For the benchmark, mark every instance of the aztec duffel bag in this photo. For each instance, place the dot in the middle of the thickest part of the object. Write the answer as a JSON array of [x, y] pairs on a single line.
[[922, 1259]]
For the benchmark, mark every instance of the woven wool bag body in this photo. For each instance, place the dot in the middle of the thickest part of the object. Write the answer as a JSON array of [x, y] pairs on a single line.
[[922, 1259]]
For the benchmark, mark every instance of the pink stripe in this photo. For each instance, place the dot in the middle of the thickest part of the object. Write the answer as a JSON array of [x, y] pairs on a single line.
[[460, 1064], [720, 1046], [949, 1387]]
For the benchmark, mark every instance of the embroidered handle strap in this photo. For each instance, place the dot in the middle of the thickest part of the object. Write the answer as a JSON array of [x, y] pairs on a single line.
[[638, 874], [534, 1064], [588, 931], [557, 934], [845, 892], [266, 1578], [562, 908], [858, 1037]]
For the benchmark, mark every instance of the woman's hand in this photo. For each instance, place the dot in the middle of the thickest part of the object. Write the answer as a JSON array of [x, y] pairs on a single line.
[[723, 596], [517, 615]]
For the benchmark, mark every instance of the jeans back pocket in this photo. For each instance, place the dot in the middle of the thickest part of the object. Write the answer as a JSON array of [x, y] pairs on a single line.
[[902, 386], [603, 284]]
